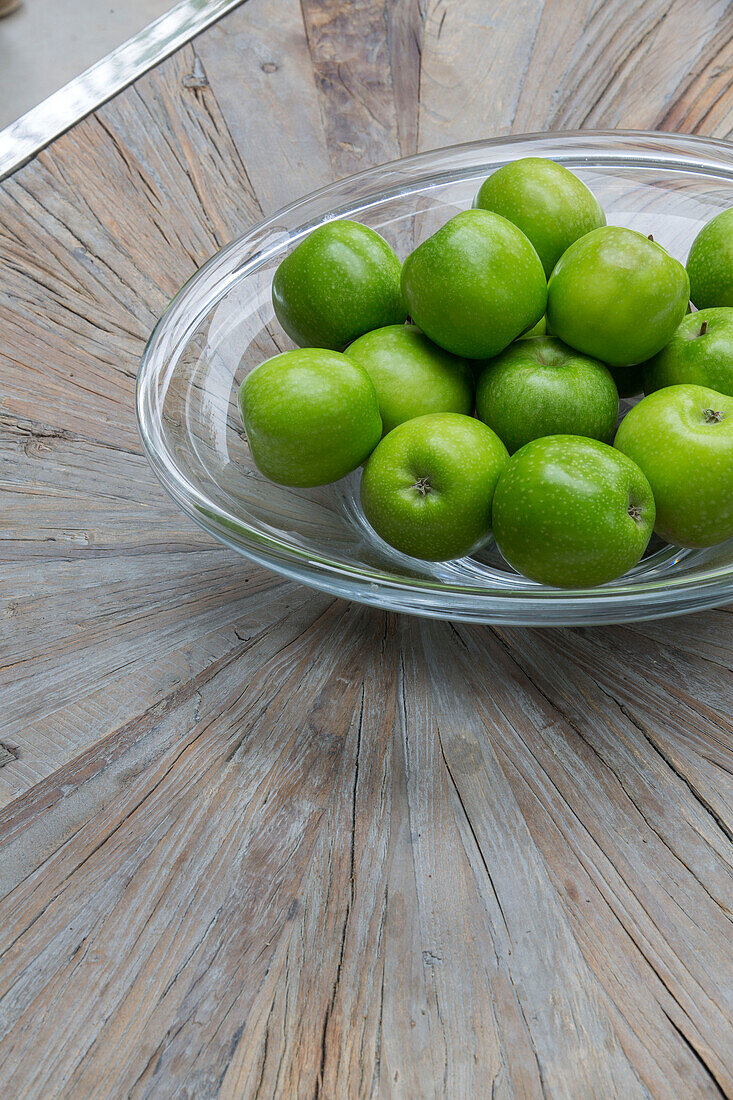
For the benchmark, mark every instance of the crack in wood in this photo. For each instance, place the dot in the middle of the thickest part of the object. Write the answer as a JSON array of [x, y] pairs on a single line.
[[348, 907], [8, 754], [696, 794], [699, 1058]]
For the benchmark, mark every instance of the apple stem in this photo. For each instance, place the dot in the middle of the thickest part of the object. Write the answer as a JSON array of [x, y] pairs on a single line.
[[423, 486], [712, 416], [650, 236], [703, 328]]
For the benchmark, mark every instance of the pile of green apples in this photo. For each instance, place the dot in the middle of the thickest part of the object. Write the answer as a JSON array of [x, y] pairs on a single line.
[[478, 382]]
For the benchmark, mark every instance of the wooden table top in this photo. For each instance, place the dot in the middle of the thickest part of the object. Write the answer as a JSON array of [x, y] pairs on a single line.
[[258, 842]]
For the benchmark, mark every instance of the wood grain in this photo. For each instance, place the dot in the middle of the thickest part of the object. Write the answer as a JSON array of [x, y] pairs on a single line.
[[260, 843], [261, 74]]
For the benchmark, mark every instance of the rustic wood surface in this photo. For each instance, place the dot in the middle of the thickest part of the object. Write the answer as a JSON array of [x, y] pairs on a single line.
[[256, 842]]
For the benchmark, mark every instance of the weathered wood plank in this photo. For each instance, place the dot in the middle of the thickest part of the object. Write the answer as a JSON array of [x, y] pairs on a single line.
[[534, 941], [705, 635], [88, 270], [319, 1028], [405, 25], [260, 71], [651, 51], [462, 100], [353, 71], [704, 104], [139, 842], [652, 841], [683, 712], [564, 65]]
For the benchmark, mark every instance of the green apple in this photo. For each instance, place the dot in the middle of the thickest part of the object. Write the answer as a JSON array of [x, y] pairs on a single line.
[[572, 512], [542, 387], [475, 285], [412, 375], [427, 487], [617, 295], [682, 438], [629, 380], [710, 263], [340, 281], [539, 329], [310, 416], [700, 352], [549, 204]]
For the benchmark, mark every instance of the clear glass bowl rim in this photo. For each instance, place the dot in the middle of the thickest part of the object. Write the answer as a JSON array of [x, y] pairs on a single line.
[[533, 605]]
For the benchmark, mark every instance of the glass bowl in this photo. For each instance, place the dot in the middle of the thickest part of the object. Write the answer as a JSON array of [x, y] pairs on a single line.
[[221, 325]]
